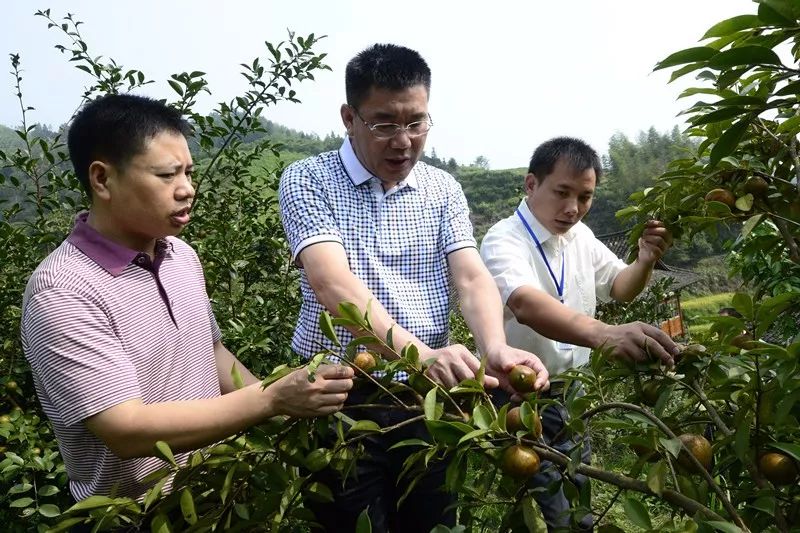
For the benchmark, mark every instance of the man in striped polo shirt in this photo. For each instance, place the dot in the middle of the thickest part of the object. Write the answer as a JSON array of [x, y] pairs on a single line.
[[371, 225], [116, 322]]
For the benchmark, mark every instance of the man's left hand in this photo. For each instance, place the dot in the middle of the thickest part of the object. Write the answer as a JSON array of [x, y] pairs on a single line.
[[655, 240], [501, 360]]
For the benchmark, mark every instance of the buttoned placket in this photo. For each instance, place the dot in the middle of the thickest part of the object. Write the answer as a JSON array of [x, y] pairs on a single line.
[[142, 260]]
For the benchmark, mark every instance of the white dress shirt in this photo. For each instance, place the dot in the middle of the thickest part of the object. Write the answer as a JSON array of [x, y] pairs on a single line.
[[514, 261]]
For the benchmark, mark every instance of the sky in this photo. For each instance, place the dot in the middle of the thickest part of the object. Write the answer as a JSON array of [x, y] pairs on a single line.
[[507, 75]]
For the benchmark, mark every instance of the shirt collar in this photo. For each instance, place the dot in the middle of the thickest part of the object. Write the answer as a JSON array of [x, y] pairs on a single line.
[[360, 175], [542, 233], [109, 255]]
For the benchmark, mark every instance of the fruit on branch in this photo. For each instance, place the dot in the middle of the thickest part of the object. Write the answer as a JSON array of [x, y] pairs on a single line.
[[699, 447], [779, 468], [721, 195], [522, 379], [365, 361], [757, 186], [514, 422], [651, 390], [520, 462]]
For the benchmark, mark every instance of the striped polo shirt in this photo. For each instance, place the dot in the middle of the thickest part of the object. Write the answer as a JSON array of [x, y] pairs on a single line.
[[103, 324], [396, 241]]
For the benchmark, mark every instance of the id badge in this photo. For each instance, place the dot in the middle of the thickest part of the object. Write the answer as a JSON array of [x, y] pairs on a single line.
[[564, 346]]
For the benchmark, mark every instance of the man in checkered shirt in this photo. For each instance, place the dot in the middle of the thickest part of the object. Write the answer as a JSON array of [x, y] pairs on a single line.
[[370, 224]]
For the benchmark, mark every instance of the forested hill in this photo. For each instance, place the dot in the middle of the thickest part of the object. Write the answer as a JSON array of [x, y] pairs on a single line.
[[630, 165]]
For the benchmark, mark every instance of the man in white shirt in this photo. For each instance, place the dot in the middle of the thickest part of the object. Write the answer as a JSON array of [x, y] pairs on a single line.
[[551, 269]]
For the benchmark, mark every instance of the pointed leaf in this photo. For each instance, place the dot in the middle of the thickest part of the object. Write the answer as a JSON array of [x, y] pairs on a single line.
[[363, 524], [745, 203], [731, 25], [751, 223], [637, 513], [163, 451], [532, 516], [326, 326], [657, 477], [433, 408], [728, 141], [744, 55], [187, 506], [689, 55], [236, 376]]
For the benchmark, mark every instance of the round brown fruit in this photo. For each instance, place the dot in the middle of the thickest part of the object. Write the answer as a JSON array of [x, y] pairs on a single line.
[[757, 186], [778, 468], [697, 446], [522, 379], [651, 390], [721, 195], [520, 462], [365, 361], [744, 341], [514, 422]]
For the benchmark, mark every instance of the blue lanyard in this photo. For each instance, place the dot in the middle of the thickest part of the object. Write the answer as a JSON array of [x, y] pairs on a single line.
[[559, 286]]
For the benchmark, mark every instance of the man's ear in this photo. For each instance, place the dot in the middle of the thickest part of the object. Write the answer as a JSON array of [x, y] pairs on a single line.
[[347, 118], [530, 183], [100, 174]]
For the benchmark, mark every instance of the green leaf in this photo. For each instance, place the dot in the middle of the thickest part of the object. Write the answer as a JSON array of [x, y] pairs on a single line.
[[751, 223], [22, 502], [176, 87], [741, 443], [482, 416], [49, 510], [163, 451], [689, 55], [727, 527], [728, 141], [326, 326], [160, 524], [719, 115], [472, 435], [187, 506], [657, 477], [92, 502], [447, 432], [48, 490], [731, 25], [318, 459], [242, 512], [154, 493], [532, 516], [319, 492], [351, 312], [637, 513], [66, 525], [236, 376], [744, 304], [744, 55], [791, 125], [364, 426], [363, 524], [227, 484], [433, 408], [745, 203]]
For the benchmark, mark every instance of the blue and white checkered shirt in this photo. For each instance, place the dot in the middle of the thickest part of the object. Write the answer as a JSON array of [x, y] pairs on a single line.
[[396, 241]]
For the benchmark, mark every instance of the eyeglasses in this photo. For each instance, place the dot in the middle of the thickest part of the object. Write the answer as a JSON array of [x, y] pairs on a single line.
[[387, 130]]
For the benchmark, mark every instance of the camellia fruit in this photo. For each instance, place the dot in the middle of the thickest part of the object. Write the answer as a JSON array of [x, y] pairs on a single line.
[[778, 468], [757, 186], [522, 379], [514, 422], [721, 195], [520, 462], [651, 390], [697, 446], [365, 361]]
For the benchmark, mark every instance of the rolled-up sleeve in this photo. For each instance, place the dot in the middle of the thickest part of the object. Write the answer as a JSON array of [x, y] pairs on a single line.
[[456, 228], [306, 212]]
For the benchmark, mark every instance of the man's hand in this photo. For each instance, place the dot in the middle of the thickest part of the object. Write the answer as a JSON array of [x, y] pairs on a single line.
[[454, 364], [655, 240], [502, 359], [295, 395], [637, 342]]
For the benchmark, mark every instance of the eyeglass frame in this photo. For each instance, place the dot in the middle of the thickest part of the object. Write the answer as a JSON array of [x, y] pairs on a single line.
[[398, 127]]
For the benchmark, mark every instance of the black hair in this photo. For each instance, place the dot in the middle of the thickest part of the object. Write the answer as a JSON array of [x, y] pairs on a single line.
[[575, 153], [115, 128], [384, 66]]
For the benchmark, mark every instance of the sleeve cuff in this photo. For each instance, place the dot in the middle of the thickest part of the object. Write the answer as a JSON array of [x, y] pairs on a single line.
[[459, 245], [305, 243]]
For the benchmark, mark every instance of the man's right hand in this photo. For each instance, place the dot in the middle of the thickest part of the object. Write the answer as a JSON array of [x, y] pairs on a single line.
[[454, 364], [637, 342], [295, 395]]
